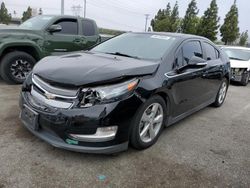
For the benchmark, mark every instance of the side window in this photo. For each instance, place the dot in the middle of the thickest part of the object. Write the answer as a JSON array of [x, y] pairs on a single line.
[[217, 54], [191, 49], [179, 60], [210, 51], [88, 28], [69, 26]]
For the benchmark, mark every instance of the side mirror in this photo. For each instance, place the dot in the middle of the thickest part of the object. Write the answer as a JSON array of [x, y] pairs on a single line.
[[197, 61], [55, 28]]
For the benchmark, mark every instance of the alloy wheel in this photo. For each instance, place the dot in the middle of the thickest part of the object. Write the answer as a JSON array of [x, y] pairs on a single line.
[[222, 92], [20, 69], [151, 122]]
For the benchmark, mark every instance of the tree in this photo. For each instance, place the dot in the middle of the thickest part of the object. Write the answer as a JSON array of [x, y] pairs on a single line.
[[174, 18], [209, 23], [162, 21], [40, 11], [27, 14], [168, 10], [5, 17], [243, 38], [190, 21], [167, 20], [159, 17], [230, 30]]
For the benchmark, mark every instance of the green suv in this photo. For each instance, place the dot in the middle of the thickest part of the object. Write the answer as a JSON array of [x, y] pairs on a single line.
[[41, 36]]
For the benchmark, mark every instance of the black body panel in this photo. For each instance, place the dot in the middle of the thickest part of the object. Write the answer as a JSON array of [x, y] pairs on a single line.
[[86, 68], [185, 89]]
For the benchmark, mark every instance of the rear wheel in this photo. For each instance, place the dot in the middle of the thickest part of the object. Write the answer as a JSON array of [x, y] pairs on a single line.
[[221, 95], [15, 67], [148, 123], [245, 79]]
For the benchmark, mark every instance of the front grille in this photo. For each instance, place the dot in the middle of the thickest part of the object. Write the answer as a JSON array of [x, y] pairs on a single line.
[[52, 96], [52, 89]]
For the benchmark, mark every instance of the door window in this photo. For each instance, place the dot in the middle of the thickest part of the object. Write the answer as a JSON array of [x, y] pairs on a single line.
[[191, 49], [69, 26], [88, 28], [179, 60], [210, 51]]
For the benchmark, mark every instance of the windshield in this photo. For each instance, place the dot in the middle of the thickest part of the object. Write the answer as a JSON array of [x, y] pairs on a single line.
[[143, 46], [36, 23], [238, 54]]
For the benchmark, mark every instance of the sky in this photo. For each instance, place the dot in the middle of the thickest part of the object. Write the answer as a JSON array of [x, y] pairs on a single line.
[[127, 15]]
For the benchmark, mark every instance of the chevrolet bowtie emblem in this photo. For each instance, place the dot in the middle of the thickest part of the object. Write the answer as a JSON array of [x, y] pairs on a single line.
[[49, 96]]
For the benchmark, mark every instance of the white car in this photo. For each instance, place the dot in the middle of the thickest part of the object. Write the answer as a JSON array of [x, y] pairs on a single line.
[[240, 63]]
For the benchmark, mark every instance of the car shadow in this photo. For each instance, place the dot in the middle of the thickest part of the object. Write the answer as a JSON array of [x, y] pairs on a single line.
[[236, 84]]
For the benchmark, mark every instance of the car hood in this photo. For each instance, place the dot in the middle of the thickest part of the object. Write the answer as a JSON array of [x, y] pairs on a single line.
[[9, 31], [91, 68], [240, 64]]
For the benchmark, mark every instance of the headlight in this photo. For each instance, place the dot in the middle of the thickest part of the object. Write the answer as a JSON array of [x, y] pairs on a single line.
[[107, 93]]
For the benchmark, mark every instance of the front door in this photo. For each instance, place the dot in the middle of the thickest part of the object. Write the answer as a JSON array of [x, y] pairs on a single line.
[[90, 33], [213, 73], [188, 88], [65, 41]]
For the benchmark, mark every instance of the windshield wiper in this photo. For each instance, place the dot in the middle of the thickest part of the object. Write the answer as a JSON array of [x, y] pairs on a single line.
[[235, 58], [121, 54]]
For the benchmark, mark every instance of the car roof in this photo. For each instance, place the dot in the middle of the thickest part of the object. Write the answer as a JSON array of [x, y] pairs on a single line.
[[236, 47], [178, 35], [65, 16]]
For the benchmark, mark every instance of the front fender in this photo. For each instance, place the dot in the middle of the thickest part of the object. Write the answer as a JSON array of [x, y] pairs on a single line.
[[21, 43]]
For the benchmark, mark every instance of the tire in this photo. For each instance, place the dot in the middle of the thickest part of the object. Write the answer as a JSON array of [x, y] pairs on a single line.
[[224, 86], [21, 62], [141, 142], [245, 79]]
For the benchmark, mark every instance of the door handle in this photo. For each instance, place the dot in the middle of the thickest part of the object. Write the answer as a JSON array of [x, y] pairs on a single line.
[[77, 40], [80, 40]]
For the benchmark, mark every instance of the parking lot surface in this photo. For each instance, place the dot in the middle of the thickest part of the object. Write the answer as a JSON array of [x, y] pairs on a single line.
[[208, 149]]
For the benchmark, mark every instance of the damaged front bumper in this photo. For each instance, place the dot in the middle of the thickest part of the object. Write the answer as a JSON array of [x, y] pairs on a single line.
[[238, 74], [100, 128]]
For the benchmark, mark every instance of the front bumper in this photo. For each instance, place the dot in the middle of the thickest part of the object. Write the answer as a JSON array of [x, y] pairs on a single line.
[[238, 74], [59, 143], [56, 127], [236, 78]]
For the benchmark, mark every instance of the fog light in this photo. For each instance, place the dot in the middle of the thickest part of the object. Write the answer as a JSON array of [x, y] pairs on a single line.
[[102, 134]]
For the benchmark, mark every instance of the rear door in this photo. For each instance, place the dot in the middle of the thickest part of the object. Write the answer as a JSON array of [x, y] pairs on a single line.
[[188, 87], [89, 33], [213, 72], [66, 40]]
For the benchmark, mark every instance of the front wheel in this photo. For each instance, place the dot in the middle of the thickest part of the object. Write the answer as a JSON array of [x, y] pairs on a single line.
[[221, 95], [15, 66], [148, 123]]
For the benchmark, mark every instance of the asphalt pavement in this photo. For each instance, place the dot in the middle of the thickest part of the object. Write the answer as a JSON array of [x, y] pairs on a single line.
[[211, 148]]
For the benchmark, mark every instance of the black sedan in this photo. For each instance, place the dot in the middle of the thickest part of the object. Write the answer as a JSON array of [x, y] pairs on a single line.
[[123, 91]]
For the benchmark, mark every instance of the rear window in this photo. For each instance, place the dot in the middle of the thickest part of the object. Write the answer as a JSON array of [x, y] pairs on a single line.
[[88, 28]]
